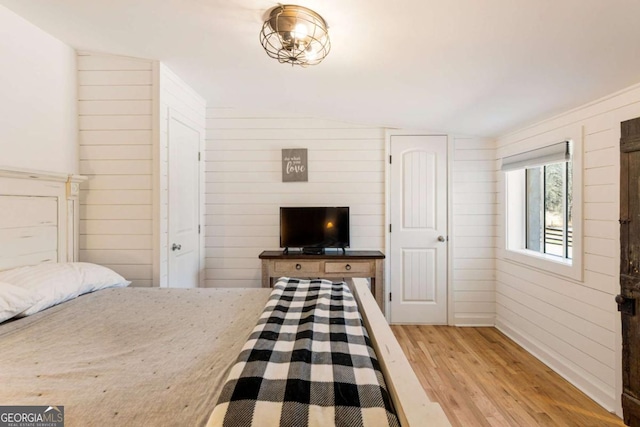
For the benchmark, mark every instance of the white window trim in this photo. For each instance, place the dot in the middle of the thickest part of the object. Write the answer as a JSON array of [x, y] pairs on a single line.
[[515, 227]]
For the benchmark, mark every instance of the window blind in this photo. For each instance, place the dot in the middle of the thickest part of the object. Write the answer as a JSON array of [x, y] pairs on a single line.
[[560, 152]]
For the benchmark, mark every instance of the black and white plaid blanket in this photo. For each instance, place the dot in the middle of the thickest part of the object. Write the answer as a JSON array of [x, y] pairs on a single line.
[[308, 362]]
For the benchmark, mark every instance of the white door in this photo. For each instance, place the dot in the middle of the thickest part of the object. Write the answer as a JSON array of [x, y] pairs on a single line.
[[184, 205], [418, 239]]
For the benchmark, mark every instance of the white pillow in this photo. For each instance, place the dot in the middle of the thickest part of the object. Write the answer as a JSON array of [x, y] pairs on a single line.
[[14, 300], [95, 277], [55, 283]]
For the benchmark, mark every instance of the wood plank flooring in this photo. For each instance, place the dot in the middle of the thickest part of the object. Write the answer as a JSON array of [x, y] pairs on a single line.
[[482, 378]]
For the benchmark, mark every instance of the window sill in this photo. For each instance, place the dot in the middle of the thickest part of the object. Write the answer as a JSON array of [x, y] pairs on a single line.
[[547, 263]]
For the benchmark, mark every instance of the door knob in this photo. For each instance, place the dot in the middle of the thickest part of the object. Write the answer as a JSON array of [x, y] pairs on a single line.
[[441, 239], [626, 305], [175, 247]]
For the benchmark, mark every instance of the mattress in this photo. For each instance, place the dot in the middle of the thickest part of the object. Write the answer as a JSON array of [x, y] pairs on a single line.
[[129, 356]]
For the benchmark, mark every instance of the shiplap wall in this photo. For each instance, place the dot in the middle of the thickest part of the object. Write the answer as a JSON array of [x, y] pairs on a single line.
[[474, 205], [574, 326], [244, 188], [346, 167], [179, 100], [115, 98]]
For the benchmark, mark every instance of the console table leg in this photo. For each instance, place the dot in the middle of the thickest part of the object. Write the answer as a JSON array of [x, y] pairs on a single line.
[[378, 290], [266, 280]]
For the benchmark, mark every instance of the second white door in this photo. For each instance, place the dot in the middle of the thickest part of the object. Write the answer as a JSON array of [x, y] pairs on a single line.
[[418, 238], [184, 202]]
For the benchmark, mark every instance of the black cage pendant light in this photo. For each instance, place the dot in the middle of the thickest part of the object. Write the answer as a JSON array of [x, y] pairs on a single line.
[[295, 35]]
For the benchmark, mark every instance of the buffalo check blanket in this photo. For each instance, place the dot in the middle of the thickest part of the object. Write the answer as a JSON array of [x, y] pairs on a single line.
[[308, 362]]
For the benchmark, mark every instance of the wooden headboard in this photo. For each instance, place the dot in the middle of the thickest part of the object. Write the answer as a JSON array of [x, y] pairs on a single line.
[[39, 214]]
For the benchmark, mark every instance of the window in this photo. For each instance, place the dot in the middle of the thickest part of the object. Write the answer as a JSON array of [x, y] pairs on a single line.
[[540, 209], [548, 209]]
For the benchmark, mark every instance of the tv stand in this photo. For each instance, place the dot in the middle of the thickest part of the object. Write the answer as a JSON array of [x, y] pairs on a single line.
[[335, 266]]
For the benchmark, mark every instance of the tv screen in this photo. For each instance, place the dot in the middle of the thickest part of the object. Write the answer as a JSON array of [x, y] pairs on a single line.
[[314, 227]]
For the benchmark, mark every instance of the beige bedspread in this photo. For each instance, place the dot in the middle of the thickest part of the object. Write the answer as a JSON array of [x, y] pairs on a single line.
[[134, 357]]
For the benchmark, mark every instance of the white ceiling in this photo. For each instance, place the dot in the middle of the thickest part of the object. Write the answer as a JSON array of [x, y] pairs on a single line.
[[476, 67]]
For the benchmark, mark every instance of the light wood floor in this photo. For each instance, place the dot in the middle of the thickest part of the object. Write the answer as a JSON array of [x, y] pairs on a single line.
[[482, 378]]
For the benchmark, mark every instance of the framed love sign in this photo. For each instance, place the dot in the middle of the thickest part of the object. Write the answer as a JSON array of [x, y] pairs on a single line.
[[294, 165]]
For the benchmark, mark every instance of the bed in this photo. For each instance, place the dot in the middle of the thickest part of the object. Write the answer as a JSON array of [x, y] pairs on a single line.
[[131, 356]]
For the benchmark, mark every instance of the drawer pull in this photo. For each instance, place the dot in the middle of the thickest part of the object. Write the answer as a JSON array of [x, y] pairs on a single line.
[[298, 266], [347, 267]]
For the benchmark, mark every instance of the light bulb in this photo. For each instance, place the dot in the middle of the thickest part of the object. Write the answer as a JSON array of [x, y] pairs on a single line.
[[310, 53], [300, 31]]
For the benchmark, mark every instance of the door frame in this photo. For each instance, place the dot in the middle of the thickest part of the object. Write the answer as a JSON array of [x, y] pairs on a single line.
[[161, 111], [161, 251], [387, 217], [174, 115]]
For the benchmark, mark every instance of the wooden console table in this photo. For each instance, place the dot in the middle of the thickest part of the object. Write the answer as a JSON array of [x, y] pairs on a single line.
[[327, 266]]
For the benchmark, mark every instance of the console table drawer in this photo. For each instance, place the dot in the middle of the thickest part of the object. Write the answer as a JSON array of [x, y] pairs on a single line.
[[347, 267], [328, 266], [291, 267]]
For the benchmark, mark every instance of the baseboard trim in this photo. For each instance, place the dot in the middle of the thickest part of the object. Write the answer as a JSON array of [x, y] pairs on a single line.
[[603, 398], [478, 321]]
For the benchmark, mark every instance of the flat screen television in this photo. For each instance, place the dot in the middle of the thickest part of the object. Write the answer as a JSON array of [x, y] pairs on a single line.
[[314, 228]]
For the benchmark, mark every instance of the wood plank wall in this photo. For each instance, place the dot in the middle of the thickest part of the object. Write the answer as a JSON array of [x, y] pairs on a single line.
[[474, 228], [346, 166], [115, 127], [180, 100], [244, 188], [573, 326]]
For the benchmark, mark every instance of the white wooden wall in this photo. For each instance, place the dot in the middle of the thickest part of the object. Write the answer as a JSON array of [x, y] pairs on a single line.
[[115, 98], [574, 326], [179, 100], [474, 209], [244, 188], [346, 167]]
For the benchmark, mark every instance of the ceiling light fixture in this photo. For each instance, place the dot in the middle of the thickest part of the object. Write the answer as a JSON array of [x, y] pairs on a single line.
[[295, 35]]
